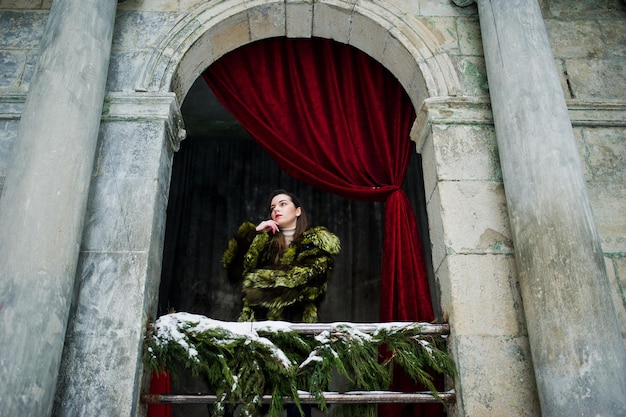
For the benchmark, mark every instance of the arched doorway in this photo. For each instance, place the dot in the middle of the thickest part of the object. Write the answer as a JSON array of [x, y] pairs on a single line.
[[221, 178], [184, 53], [207, 32]]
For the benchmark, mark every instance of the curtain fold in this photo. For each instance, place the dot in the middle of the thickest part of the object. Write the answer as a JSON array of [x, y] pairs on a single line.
[[160, 383], [403, 259], [333, 117]]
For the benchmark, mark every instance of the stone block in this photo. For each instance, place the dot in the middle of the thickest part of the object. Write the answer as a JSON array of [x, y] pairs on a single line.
[[103, 346], [119, 214], [196, 59], [184, 5], [131, 160], [480, 295], [150, 5], [578, 39], [469, 36], [443, 31], [607, 154], [368, 36], [299, 18], [129, 149], [597, 79], [136, 30], [12, 65], [472, 74], [267, 21], [21, 30], [417, 88], [410, 7], [331, 22], [8, 133], [584, 154], [445, 8], [614, 37], [563, 78], [161, 183], [466, 152], [429, 166], [29, 69], [111, 291], [217, 12], [607, 202], [566, 9], [155, 255], [496, 377], [446, 76], [616, 270], [436, 229], [20, 4], [229, 34], [125, 70], [420, 42], [399, 61], [474, 218]]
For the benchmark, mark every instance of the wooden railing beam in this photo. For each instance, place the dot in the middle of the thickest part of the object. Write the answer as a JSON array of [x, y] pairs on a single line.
[[356, 397]]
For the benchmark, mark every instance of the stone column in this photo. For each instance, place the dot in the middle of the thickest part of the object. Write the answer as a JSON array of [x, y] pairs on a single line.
[[576, 344], [44, 198]]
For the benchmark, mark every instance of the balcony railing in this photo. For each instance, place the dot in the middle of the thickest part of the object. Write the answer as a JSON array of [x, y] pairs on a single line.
[[330, 397]]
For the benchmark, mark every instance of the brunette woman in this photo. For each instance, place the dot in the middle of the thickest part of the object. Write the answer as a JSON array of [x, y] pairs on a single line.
[[281, 263]]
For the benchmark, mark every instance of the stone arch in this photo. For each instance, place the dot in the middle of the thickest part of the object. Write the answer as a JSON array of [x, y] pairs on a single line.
[[403, 45]]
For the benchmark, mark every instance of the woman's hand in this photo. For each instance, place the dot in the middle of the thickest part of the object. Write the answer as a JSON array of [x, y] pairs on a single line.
[[267, 226]]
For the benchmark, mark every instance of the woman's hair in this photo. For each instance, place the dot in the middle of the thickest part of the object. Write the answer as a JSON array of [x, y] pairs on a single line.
[[302, 221]]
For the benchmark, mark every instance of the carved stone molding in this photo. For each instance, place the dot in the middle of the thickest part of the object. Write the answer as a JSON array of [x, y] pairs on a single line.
[[477, 111], [147, 106], [408, 49]]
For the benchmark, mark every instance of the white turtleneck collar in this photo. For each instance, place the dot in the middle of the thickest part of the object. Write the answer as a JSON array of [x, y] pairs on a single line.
[[288, 234]]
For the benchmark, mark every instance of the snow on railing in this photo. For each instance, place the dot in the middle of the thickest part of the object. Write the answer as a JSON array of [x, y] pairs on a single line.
[[177, 328]]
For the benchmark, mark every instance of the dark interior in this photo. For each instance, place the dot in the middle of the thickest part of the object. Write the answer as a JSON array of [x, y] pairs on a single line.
[[221, 178]]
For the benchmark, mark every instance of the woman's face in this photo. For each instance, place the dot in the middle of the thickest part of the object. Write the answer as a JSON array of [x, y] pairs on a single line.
[[284, 212]]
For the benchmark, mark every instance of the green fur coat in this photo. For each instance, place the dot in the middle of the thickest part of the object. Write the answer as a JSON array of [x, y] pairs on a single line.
[[287, 289]]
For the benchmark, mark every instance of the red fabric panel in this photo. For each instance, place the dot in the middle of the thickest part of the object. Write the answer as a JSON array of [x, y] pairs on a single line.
[[403, 297], [328, 114], [333, 117], [160, 384]]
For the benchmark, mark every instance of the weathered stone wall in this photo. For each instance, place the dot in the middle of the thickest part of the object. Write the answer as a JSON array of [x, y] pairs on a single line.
[[473, 255], [20, 31]]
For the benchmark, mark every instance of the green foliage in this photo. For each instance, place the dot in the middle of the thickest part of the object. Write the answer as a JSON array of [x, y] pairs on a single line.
[[417, 354], [242, 366]]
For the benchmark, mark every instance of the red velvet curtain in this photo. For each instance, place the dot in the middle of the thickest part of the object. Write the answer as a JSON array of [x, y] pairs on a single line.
[[333, 117]]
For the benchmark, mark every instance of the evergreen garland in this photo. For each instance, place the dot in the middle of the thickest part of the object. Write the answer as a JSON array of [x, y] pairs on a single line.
[[244, 361]]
